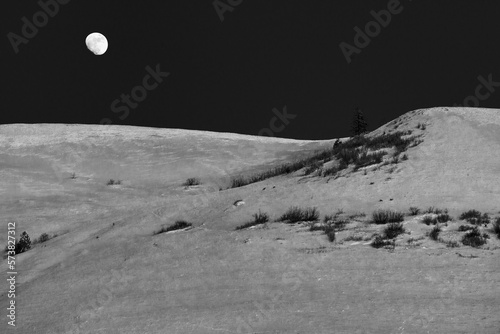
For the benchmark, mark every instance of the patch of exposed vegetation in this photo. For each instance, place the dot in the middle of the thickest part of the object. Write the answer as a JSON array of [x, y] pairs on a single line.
[[421, 126], [314, 166], [452, 244], [178, 225], [464, 228], [296, 214], [387, 216], [435, 210], [388, 238], [394, 139], [354, 238], [338, 223], [415, 240], [434, 233], [380, 242], [192, 181], [258, 219], [429, 220], [496, 227], [443, 218], [330, 233], [112, 182], [365, 159], [317, 227], [334, 170], [392, 230], [475, 217], [287, 168], [331, 225], [358, 151], [43, 238], [474, 238], [238, 181], [471, 214], [414, 211]]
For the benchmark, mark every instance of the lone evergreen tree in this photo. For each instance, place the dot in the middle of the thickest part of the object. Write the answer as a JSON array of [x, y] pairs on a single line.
[[359, 125], [24, 243]]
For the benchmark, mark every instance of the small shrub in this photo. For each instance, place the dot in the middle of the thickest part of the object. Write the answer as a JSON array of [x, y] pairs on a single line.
[[339, 224], [73, 176], [330, 233], [474, 238], [366, 159], [484, 220], [329, 218], [178, 225], [43, 237], [428, 220], [443, 218], [380, 242], [404, 157], [238, 181], [452, 244], [348, 155], [336, 222], [471, 214], [112, 182], [387, 216], [258, 219], [434, 233], [414, 211], [192, 181], [393, 230], [354, 238], [474, 217], [436, 211], [333, 170], [296, 214], [313, 167], [496, 227], [464, 228], [310, 214]]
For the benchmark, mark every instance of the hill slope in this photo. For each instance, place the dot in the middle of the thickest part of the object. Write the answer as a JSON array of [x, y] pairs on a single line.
[[106, 272]]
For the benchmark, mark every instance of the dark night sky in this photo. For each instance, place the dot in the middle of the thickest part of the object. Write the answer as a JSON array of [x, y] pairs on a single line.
[[228, 76]]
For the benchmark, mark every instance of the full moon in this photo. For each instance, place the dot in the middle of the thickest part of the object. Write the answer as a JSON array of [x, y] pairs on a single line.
[[97, 43]]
